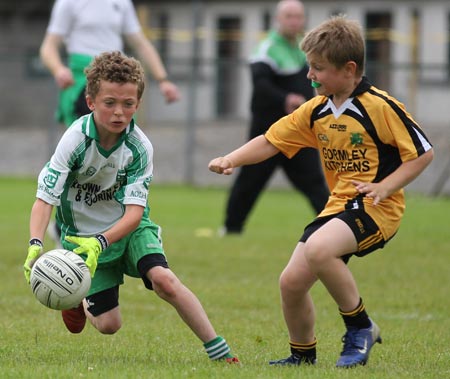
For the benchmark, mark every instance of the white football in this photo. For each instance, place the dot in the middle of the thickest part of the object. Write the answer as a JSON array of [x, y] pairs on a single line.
[[60, 279]]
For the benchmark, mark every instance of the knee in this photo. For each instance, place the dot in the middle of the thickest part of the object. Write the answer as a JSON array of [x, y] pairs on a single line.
[[108, 326], [164, 283], [316, 254], [286, 282], [107, 323], [292, 282]]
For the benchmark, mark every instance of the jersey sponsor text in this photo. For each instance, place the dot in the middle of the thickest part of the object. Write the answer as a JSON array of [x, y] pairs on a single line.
[[346, 160]]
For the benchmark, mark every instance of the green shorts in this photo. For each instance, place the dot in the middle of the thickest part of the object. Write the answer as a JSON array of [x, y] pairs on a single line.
[[122, 257]]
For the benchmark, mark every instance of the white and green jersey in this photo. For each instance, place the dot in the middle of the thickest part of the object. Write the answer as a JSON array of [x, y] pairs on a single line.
[[283, 56], [91, 186]]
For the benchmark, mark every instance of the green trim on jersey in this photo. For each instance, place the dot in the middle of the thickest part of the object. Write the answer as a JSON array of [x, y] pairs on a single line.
[[141, 160], [91, 187], [284, 57], [90, 130]]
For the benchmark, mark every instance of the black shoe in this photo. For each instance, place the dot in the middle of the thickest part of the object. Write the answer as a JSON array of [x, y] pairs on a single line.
[[294, 360], [224, 231]]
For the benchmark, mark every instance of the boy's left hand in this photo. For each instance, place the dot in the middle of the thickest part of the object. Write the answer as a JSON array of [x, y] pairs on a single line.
[[376, 191], [91, 246]]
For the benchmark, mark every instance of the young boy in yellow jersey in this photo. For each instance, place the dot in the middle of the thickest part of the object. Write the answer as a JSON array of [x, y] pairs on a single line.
[[370, 149]]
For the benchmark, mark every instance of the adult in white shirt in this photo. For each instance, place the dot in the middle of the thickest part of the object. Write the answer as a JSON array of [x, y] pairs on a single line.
[[87, 28]]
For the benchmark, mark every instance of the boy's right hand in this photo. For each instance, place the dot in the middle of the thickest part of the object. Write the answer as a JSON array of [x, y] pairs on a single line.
[[34, 251], [64, 77], [221, 165]]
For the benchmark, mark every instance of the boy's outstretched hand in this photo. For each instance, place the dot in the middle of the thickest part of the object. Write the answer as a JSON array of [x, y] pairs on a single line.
[[92, 247], [221, 165]]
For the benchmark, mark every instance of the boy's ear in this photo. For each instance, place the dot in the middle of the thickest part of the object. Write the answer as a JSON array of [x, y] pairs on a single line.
[[90, 102], [351, 68], [138, 103]]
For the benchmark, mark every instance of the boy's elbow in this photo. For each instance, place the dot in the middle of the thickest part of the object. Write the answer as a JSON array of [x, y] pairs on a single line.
[[425, 159], [43, 49], [429, 155]]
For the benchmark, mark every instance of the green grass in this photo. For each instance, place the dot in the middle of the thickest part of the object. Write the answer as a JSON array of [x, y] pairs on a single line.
[[405, 287]]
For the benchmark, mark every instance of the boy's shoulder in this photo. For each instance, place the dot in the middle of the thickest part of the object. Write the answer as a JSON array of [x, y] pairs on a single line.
[[137, 134], [316, 101], [137, 131], [75, 131]]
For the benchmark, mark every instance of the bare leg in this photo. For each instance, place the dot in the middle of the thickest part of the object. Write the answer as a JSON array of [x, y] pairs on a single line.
[[320, 259], [323, 251], [169, 288], [106, 323], [298, 308]]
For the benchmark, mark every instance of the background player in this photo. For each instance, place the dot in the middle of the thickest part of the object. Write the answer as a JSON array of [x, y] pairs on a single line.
[[280, 86], [87, 28]]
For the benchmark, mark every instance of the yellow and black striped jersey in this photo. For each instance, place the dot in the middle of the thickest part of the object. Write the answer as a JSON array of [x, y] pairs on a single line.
[[366, 139]]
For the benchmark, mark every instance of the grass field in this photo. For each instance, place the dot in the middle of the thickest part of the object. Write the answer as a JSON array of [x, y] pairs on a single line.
[[405, 287]]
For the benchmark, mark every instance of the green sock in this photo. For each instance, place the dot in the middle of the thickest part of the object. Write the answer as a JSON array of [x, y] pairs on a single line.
[[217, 348]]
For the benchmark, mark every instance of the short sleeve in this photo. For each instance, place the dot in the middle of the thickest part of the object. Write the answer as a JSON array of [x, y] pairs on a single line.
[[292, 132], [61, 18], [130, 23]]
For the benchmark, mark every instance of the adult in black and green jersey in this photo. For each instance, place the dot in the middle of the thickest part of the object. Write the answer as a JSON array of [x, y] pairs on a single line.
[[278, 69]]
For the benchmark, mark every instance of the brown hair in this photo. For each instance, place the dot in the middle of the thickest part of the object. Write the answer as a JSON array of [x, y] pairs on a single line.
[[114, 67], [339, 41]]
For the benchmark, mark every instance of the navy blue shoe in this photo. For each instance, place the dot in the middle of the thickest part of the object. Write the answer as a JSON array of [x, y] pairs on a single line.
[[294, 360], [357, 345]]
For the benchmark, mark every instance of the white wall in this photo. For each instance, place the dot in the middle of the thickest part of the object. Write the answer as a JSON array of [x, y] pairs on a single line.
[[416, 90]]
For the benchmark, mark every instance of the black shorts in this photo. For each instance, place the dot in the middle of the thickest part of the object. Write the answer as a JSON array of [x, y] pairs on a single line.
[[108, 299], [80, 106], [366, 231]]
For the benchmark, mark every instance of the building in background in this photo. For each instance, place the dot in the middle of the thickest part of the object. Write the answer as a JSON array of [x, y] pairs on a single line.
[[205, 45]]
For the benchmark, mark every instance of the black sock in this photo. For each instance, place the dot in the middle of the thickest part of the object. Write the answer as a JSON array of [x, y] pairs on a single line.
[[305, 351], [357, 318]]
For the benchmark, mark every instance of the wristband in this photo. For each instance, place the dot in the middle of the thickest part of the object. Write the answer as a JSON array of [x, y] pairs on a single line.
[[164, 79], [103, 241], [36, 241]]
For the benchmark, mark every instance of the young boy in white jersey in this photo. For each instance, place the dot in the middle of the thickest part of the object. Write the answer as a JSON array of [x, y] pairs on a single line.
[[98, 179], [370, 149]]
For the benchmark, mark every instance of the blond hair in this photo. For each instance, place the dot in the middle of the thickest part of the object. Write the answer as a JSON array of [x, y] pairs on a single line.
[[339, 41], [114, 67]]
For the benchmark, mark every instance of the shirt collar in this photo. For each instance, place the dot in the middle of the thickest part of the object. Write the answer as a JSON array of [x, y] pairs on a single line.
[[363, 86]]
